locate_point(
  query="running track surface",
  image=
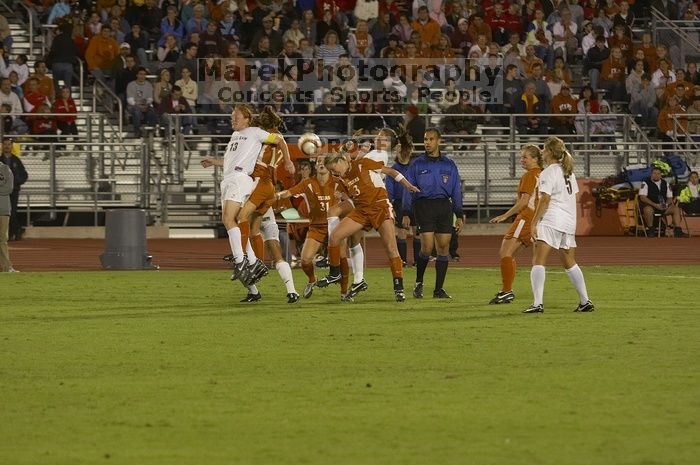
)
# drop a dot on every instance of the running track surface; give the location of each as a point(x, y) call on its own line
point(475, 251)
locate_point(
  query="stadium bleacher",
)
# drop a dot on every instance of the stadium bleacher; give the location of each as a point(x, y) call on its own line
point(105, 165)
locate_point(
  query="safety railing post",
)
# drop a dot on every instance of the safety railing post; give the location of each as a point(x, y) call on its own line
point(52, 181)
point(146, 173)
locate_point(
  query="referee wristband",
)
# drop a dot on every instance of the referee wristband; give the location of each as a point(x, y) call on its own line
point(400, 177)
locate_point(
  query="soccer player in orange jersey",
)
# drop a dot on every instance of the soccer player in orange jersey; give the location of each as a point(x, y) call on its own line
point(518, 236)
point(372, 209)
point(319, 193)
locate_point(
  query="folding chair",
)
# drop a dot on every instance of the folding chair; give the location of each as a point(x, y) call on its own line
point(659, 221)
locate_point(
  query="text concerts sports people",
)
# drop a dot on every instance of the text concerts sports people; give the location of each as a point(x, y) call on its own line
point(372, 210)
point(554, 224)
point(433, 207)
point(518, 236)
point(242, 152)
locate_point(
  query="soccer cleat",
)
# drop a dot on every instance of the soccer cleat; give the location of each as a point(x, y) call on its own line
point(322, 263)
point(292, 298)
point(441, 294)
point(418, 290)
point(252, 297)
point(346, 298)
point(534, 309)
point(256, 272)
point(239, 269)
point(587, 307)
point(678, 232)
point(328, 280)
point(308, 289)
point(399, 295)
point(228, 258)
point(502, 298)
point(356, 288)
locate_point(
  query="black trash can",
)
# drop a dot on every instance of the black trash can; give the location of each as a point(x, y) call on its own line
point(125, 241)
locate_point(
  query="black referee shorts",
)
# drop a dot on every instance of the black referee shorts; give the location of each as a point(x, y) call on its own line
point(433, 215)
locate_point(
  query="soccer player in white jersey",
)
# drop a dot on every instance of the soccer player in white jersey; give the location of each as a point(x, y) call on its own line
point(239, 162)
point(554, 224)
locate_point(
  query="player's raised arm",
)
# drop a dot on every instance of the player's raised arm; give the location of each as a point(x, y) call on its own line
point(398, 177)
point(209, 161)
point(278, 140)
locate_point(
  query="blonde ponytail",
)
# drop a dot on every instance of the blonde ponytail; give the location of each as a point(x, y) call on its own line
point(557, 148)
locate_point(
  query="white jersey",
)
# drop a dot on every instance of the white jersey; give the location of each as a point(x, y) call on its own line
point(243, 151)
point(561, 212)
point(381, 156)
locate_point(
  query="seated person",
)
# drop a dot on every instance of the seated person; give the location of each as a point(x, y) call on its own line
point(688, 199)
point(43, 125)
point(529, 105)
point(656, 197)
point(176, 103)
point(139, 99)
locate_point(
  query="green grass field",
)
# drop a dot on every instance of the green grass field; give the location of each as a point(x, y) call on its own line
point(168, 368)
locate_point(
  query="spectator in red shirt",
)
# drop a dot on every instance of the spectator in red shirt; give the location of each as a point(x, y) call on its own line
point(43, 125)
point(32, 96)
point(64, 104)
point(497, 21)
point(514, 19)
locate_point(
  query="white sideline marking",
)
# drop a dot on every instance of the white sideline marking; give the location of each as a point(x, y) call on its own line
point(598, 273)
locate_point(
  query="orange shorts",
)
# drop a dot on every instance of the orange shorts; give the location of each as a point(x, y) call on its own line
point(263, 196)
point(520, 229)
point(373, 216)
point(318, 232)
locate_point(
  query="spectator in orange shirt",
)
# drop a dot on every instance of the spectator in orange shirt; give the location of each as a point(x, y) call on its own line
point(479, 27)
point(530, 60)
point(666, 124)
point(619, 39)
point(45, 83)
point(101, 52)
point(612, 75)
point(427, 27)
point(563, 104)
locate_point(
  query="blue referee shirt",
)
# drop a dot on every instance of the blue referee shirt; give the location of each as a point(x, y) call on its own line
point(437, 178)
point(395, 190)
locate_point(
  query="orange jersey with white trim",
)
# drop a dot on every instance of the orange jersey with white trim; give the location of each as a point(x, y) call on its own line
point(528, 185)
point(318, 198)
point(364, 188)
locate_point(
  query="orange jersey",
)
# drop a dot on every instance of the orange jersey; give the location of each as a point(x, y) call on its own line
point(528, 185)
point(364, 184)
point(318, 198)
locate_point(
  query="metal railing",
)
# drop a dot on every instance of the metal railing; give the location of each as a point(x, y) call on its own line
point(163, 176)
point(671, 34)
point(99, 91)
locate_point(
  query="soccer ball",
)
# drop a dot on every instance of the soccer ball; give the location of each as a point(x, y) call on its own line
point(309, 143)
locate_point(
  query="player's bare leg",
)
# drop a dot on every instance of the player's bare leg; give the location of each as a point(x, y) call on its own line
point(308, 253)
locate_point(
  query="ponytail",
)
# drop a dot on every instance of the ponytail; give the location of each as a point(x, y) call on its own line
point(268, 119)
point(557, 148)
point(406, 143)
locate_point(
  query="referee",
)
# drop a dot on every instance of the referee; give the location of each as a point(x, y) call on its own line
point(439, 198)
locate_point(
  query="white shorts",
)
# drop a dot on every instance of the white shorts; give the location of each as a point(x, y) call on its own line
point(269, 229)
point(237, 188)
point(555, 239)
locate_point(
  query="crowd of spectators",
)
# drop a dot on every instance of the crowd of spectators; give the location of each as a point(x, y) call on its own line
point(546, 46)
